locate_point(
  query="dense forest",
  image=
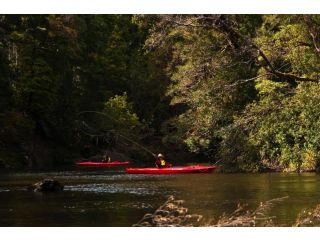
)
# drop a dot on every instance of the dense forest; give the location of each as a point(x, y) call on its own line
point(242, 89)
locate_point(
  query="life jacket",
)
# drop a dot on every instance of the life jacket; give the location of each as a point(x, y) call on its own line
point(162, 162)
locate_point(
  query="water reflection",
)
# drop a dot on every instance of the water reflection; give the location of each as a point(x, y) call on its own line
point(118, 188)
point(106, 198)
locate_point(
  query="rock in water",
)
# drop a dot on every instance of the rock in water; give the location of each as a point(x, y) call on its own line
point(47, 185)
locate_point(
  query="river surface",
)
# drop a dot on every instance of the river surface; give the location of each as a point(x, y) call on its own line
point(112, 198)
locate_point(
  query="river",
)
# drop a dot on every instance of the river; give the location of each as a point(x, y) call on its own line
point(112, 198)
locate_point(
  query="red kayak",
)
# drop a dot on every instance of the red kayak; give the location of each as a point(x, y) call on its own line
point(102, 164)
point(172, 170)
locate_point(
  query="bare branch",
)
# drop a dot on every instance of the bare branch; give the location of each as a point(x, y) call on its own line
point(283, 77)
point(243, 81)
point(313, 33)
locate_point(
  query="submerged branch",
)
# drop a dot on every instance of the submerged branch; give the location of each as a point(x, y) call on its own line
point(173, 214)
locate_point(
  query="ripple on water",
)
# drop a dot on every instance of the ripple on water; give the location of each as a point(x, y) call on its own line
point(115, 177)
point(94, 175)
point(139, 205)
point(114, 188)
point(4, 190)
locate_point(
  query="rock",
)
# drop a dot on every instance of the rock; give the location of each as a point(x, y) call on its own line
point(47, 185)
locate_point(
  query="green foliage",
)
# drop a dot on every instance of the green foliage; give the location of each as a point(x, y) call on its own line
point(204, 65)
point(282, 130)
point(55, 66)
point(243, 88)
point(288, 133)
point(247, 86)
point(121, 115)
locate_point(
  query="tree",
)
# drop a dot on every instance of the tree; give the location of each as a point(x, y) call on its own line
point(240, 80)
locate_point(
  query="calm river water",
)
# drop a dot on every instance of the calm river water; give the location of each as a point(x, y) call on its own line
point(112, 198)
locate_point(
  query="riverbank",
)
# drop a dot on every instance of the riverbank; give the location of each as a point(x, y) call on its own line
point(52, 156)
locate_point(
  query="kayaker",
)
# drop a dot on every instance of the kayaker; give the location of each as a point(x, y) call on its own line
point(106, 158)
point(160, 162)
